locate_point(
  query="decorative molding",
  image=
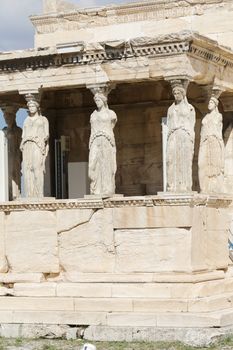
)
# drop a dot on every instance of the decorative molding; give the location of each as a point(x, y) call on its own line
point(215, 57)
point(50, 205)
point(125, 13)
point(142, 201)
point(139, 47)
point(163, 45)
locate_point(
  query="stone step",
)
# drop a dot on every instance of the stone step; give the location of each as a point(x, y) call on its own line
point(123, 290)
point(141, 277)
point(118, 304)
point(121, 319)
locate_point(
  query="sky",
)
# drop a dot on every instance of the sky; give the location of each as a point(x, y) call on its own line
point(17, 32)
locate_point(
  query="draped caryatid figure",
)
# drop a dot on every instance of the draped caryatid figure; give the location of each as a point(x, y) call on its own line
point(211, 152)
point(34, 147)
point(180, 141)
point(13, 134)
point(102, 148)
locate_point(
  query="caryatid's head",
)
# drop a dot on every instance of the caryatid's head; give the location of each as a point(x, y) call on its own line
point(100, 100)
point(179, 93)
point(213, 103)
point(33, 107)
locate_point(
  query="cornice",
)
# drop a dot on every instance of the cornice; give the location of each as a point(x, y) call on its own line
point(185, 42)
point(119, 202)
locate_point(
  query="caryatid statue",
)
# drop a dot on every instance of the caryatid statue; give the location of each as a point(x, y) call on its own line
point(34, 146)
point(180, 141)
point(102, 147)
point(211, 151)
point(13, 134)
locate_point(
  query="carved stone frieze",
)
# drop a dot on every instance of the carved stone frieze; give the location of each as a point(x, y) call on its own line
point(50, 205)
point(115, 14)
point(209, 55)
point(121, 202)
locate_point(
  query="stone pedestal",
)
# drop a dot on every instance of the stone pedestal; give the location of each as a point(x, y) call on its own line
point(122, 266)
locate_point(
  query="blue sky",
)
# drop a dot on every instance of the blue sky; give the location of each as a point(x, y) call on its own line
point(16, 30)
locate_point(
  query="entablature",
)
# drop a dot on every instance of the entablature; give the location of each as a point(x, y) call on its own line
point(139, 59)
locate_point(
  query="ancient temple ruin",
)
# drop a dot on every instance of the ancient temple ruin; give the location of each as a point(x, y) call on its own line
point(124, 222)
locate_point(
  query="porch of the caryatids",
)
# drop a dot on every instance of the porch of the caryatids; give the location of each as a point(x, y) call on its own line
point(181, 119)
point(34, 147)
point(102, 148)
point(13, 134)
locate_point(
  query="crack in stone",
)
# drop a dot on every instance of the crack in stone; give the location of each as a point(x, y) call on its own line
point(79, 224)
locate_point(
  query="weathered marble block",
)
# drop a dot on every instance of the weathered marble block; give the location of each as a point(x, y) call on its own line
point(149, 250)
point(31, 241)
point(88, 246)
point(3, 261)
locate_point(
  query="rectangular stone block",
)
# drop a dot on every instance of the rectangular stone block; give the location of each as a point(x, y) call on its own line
point(37, 304)
point(209, 246)
point(6, 316)
point(152, 217)
point(188, 320)
point(159, 305)
point(86, 290)
point(216, 219)
point(3, 262)
point(133, 319)
point(217, 254)
point(89, 247)
point(35, 289)
point(103, 304)
point(209, 288)
point(141, 290)
point(68, 220)
point(21, 277)
point(206, 24)
point(108, 277)
point(226, 317)
point(31, 242)
point(208, 304)
point(60, 317)
point(165, 249)
point(175, 277)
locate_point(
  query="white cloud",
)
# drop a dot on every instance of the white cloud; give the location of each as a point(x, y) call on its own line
point(16, 30)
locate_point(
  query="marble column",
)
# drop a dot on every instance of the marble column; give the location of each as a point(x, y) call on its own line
point(180, 139)
point(102, 148)
point(34, 147)
point(211, 151)
point(13, 135)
